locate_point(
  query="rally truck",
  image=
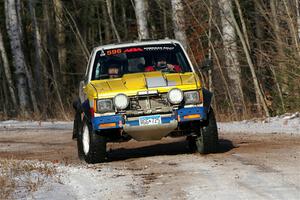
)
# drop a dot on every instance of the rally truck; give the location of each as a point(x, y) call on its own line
point(143, 90)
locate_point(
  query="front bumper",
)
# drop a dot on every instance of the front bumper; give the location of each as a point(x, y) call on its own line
point(118, 121)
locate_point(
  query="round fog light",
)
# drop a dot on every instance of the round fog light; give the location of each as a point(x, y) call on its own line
point(121, 101)
point(175, 96)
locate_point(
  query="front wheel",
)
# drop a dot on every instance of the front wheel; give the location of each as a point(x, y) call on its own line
point(207, 140)
point(91, 145)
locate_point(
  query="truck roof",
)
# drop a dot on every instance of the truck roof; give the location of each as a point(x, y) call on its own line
point(137, 43)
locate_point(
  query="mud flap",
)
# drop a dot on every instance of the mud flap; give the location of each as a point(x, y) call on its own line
point(77, 118)
point(207, 98)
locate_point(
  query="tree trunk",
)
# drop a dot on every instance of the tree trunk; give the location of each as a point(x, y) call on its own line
point(38, 51)
point(141, 9)
point(279, 43)
point(3, 108)
point(166, 31)
point(210, 78)
point(257, 88)
point(105, 20)
point(75, 30)
point(7, 73)
point(46, 36)
point(124, 19)
point(179, 22)
point(213, 51)
point(13, 29)
point(298, 16)
point(291, 25)
point(99, 20)
point(4, 97)
point(30, 80)
point(60, 36)
point(19, 12)
point(113, 25)
point(231, 56)
point(246, 38)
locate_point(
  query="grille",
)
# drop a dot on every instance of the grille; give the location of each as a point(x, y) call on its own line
point(149, 104)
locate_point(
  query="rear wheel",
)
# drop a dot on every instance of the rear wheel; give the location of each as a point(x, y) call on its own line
point(207, 140)
point(91, 145)
point(192, 143)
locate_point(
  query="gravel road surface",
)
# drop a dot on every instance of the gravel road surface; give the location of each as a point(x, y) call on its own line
point(247, 166)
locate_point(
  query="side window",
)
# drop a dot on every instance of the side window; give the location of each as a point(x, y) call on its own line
point(182, 61)
point(97, 72)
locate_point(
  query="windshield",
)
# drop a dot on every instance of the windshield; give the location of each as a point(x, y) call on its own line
point(114, 63)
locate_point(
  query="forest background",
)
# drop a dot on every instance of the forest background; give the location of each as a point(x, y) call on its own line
point(254, 46)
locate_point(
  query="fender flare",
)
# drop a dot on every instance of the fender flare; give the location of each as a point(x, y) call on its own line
point(82, 107)
point(207, 98)
point(77, 105)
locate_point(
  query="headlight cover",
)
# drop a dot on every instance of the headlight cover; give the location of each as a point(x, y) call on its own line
point(175, 96)
point(104, 105)
point(121, 101)
point(191, 97)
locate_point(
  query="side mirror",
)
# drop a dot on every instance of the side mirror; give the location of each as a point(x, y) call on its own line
point(207, 64)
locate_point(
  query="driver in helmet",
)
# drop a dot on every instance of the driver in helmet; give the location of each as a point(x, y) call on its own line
point(162, 65)
point(114, 71)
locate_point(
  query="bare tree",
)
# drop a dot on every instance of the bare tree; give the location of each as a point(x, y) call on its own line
point(141, 9)
point(112, 22)
point(298, 16)
point(71, 21)
point(179, 22)
point(279, 44)
point(7, 72)
point(291, 24)
point(19, 63)
point(38, 50)
point(231, 55)
point(259, 94)
point(124, 19)
point(107, 32)
point(60, 34)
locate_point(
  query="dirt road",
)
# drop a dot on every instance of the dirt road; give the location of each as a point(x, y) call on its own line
point(247, 166)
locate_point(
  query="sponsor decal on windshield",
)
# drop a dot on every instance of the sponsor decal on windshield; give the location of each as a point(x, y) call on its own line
point(119, 51)
point(130, 50)
point(113, 51)
point(158, 48)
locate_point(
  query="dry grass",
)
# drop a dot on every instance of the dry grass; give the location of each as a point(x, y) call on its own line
point(22, 177)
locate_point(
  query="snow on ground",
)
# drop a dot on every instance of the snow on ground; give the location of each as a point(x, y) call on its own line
point(89, 182)
point(288, 123)
point(36, 124)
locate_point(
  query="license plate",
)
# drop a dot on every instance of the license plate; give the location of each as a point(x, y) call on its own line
point(150, 120)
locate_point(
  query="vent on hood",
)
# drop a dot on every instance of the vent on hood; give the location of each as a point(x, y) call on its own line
point(153, 82)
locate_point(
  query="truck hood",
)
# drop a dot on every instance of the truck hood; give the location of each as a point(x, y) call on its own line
point(130, 84)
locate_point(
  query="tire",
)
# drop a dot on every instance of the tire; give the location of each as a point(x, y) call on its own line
point(192, 143)
point(76, 125)
point(207, 140)
point(90, 144)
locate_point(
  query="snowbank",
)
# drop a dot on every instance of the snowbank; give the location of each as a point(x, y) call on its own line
point(287, 123)
point(36, 124)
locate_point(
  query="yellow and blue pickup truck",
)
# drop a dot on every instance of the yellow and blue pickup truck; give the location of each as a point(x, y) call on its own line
point(143, 90)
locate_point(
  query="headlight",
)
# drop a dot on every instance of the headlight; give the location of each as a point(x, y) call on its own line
point(104, 105)
point(121, 101)
point(191, 97)
point(175, 96)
